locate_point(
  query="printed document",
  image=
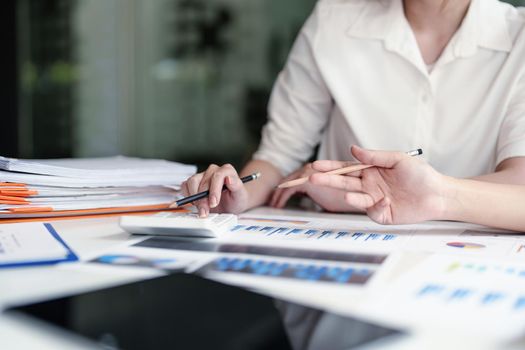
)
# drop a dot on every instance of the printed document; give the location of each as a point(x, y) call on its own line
point(31, 243)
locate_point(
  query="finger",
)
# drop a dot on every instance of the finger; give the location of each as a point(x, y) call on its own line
point(384, 159)
point(233, 184)
point(286, 194)
point(278, 191)
point(276, 196)
point(206, 176)
point(342, 182)
point(281, 196)
point(203, 205)
point(273, 197)
point(217, 181)
point(184, 189)
point(359, 200)
point(192, 184)
point(380, 212)
point(329, 165)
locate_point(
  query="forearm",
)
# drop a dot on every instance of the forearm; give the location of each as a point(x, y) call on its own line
point(502, 177)
point(510, 171)
point(485, 203)
point(260, 190)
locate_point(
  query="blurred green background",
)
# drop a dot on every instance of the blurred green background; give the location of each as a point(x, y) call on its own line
point(184, 80)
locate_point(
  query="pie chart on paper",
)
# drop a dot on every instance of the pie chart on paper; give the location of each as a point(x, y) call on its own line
point(465, 245)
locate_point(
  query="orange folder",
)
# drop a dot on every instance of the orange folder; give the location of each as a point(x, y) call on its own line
point(48, 214)
point(11, 184)
point(18, 192)
point(12, 200)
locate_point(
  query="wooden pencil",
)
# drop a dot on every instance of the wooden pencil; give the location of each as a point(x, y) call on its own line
point(346, 170)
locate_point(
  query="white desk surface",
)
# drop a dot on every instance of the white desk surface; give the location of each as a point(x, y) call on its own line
point(89, 236)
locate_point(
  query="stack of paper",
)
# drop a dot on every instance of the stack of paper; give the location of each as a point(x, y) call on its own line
point(90, 185)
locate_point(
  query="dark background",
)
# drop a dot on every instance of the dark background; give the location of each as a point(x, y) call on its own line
point(8, 87)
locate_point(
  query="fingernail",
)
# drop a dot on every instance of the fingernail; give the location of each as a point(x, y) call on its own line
point(213, 201)
point(202, 213)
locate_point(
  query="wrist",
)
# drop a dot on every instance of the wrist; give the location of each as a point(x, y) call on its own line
point(449, 198)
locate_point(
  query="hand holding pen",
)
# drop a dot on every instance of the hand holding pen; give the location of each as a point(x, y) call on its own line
point(328, 198)
point(396, 189)
point(218, 188)
point(341, 168)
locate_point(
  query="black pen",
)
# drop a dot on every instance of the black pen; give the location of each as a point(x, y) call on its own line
point(205, 194)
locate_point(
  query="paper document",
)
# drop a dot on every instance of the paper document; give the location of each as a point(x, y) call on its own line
point(100, 202)
point(352, 233)
point(32, 187)
point(32, 244)
point(136, 257)
point(453, 293)
point(31, 193)
point(100, 181)
point(97, 167)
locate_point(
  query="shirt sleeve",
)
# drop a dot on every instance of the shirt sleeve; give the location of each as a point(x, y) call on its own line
point(511, 139)
point(299, 106)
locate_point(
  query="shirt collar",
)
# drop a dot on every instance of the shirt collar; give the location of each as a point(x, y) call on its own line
point(493, 26)
point(484, 26)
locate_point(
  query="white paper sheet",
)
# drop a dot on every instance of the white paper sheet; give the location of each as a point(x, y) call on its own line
point(58, 192)
point(360, 235)
point(97, 167)
point(99, 181)
point(111, 202)
point(452, 293)
point(27, 242)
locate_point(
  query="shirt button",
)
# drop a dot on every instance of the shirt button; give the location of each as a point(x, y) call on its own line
point(424, 98)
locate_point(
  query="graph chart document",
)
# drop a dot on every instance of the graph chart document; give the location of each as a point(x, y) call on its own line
point(366, 236)
point(436, 275)
point(317, 233)
point(458, 294)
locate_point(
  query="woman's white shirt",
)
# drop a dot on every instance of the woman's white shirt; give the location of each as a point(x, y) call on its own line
point(356, 76)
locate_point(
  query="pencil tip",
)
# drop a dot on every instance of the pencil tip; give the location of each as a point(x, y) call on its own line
point(173, 205)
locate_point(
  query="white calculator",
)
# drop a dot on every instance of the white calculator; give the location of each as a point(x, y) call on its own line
point(178, 224)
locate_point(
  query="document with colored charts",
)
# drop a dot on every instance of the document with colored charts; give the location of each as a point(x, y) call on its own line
point(360, 234)
point(317, 233)
point(345, 251)
point(454, 293)
point(284, 249)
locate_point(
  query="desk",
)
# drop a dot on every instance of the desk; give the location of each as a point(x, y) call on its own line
point(89, 236)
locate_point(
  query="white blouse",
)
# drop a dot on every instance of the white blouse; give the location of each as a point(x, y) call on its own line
point(356, 76)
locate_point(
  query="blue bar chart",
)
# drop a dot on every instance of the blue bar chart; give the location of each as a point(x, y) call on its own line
point(311, 272)
point(323, 234)
point(476, 297)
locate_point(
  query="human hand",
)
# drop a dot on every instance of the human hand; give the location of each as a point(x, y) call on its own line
point(330, 199)
point(235, 200)
point(400, 189)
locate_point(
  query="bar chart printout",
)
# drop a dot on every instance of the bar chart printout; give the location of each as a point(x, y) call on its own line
point(311, 265)
point(311, 272)
point(461, 294)
point(277, 230)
